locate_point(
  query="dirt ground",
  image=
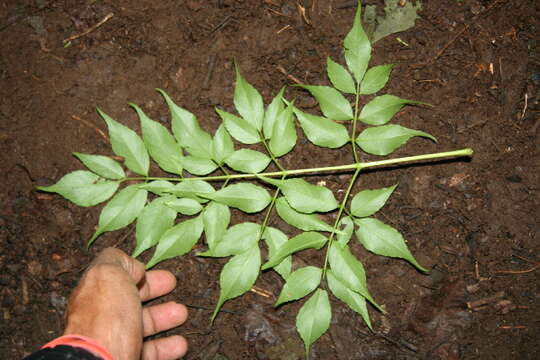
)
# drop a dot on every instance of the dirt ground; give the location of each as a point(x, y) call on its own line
point(473, 223)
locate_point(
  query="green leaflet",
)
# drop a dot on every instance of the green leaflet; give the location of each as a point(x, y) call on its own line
point(216, 218)
point(346, 227)
point(238, 276)
point(244, 196)
point(223, 145)
point(239, 128)
point(237, 240)
point(306, 222)
point(333, 104)
point(126, 143)
point(102, 165)
point(313, 319)
point(381, 109)
point(153, 221)
point(248, 161)
point(384, 240)
point(160, 143)
point(306, 240)
point(349, 271)
point(272, 112)
point(299, 284)
point(368, 202)
point(357, 48)
point(355, 301)
point(185, 206)
point(121, 210)
point(322, 131)
point(178, 240)
point(305, 197)
point(187, 131)
point(375, 79)
point(283, 133)
point(83, 188)
point(199, 166)
point(248, 101)
point(274, 239)
point(193, 189)
point(158, 187)
point(383, 140)
point(340, 77)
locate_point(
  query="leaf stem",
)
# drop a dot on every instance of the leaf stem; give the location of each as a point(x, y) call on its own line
point(338, 217)
point(355, 118)
point(467, 152)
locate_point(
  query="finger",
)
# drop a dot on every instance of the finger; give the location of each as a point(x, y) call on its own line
point(168, 348)
point(156, 283)
point(117, 257)
point(163, 317)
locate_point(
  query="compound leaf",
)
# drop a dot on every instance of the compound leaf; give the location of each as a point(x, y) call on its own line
point(346, 227)
point(305, 197)
point(383, 239)
point(383, 140)
point(187, 131)
point(299, 284)
point(216, 218)
point(368, 202)
point(153, 221)
point(274, 239)
point(313, 318)
point(306, 240)
point(355, 301)
point(177, 241)
point(160, 143)
point(223, 145)
point(284, 133)
point(184, 206)
point(340, 77)
point(248, 101)
point(238, 239)
point(349, 270)
point(357, 48)
point(83, 188)
point(272, 112)
point(306, 222)
point(322, 131)
point(248, 161)
point(199, 166)
point(239, 128)
point(238, 276)
point(193, 189)
point(126, 143)
point(244, 196)
point(375, 79)
point(381, 109)
point(121, 210)
point(102, 165)
point(333, 104)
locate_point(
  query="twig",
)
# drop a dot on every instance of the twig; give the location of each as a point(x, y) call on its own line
point(210, 72)
point(283, 29)
point(474, 305)
point(223, 22)
point(525, 106)
point(92, 28)
point(284, 72)
point(89, 124)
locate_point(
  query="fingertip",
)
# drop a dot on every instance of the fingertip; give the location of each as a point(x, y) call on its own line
point(168, 348)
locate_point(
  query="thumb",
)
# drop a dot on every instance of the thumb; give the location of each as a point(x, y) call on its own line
point(113, 256)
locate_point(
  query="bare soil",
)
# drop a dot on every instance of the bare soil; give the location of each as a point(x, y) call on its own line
point(473, 223)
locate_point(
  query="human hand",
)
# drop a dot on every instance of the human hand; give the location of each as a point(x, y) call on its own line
point(106, 306)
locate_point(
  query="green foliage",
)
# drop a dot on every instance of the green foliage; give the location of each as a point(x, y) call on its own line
point(182, 207)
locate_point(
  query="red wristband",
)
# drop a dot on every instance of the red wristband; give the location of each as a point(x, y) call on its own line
point(83, 342)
